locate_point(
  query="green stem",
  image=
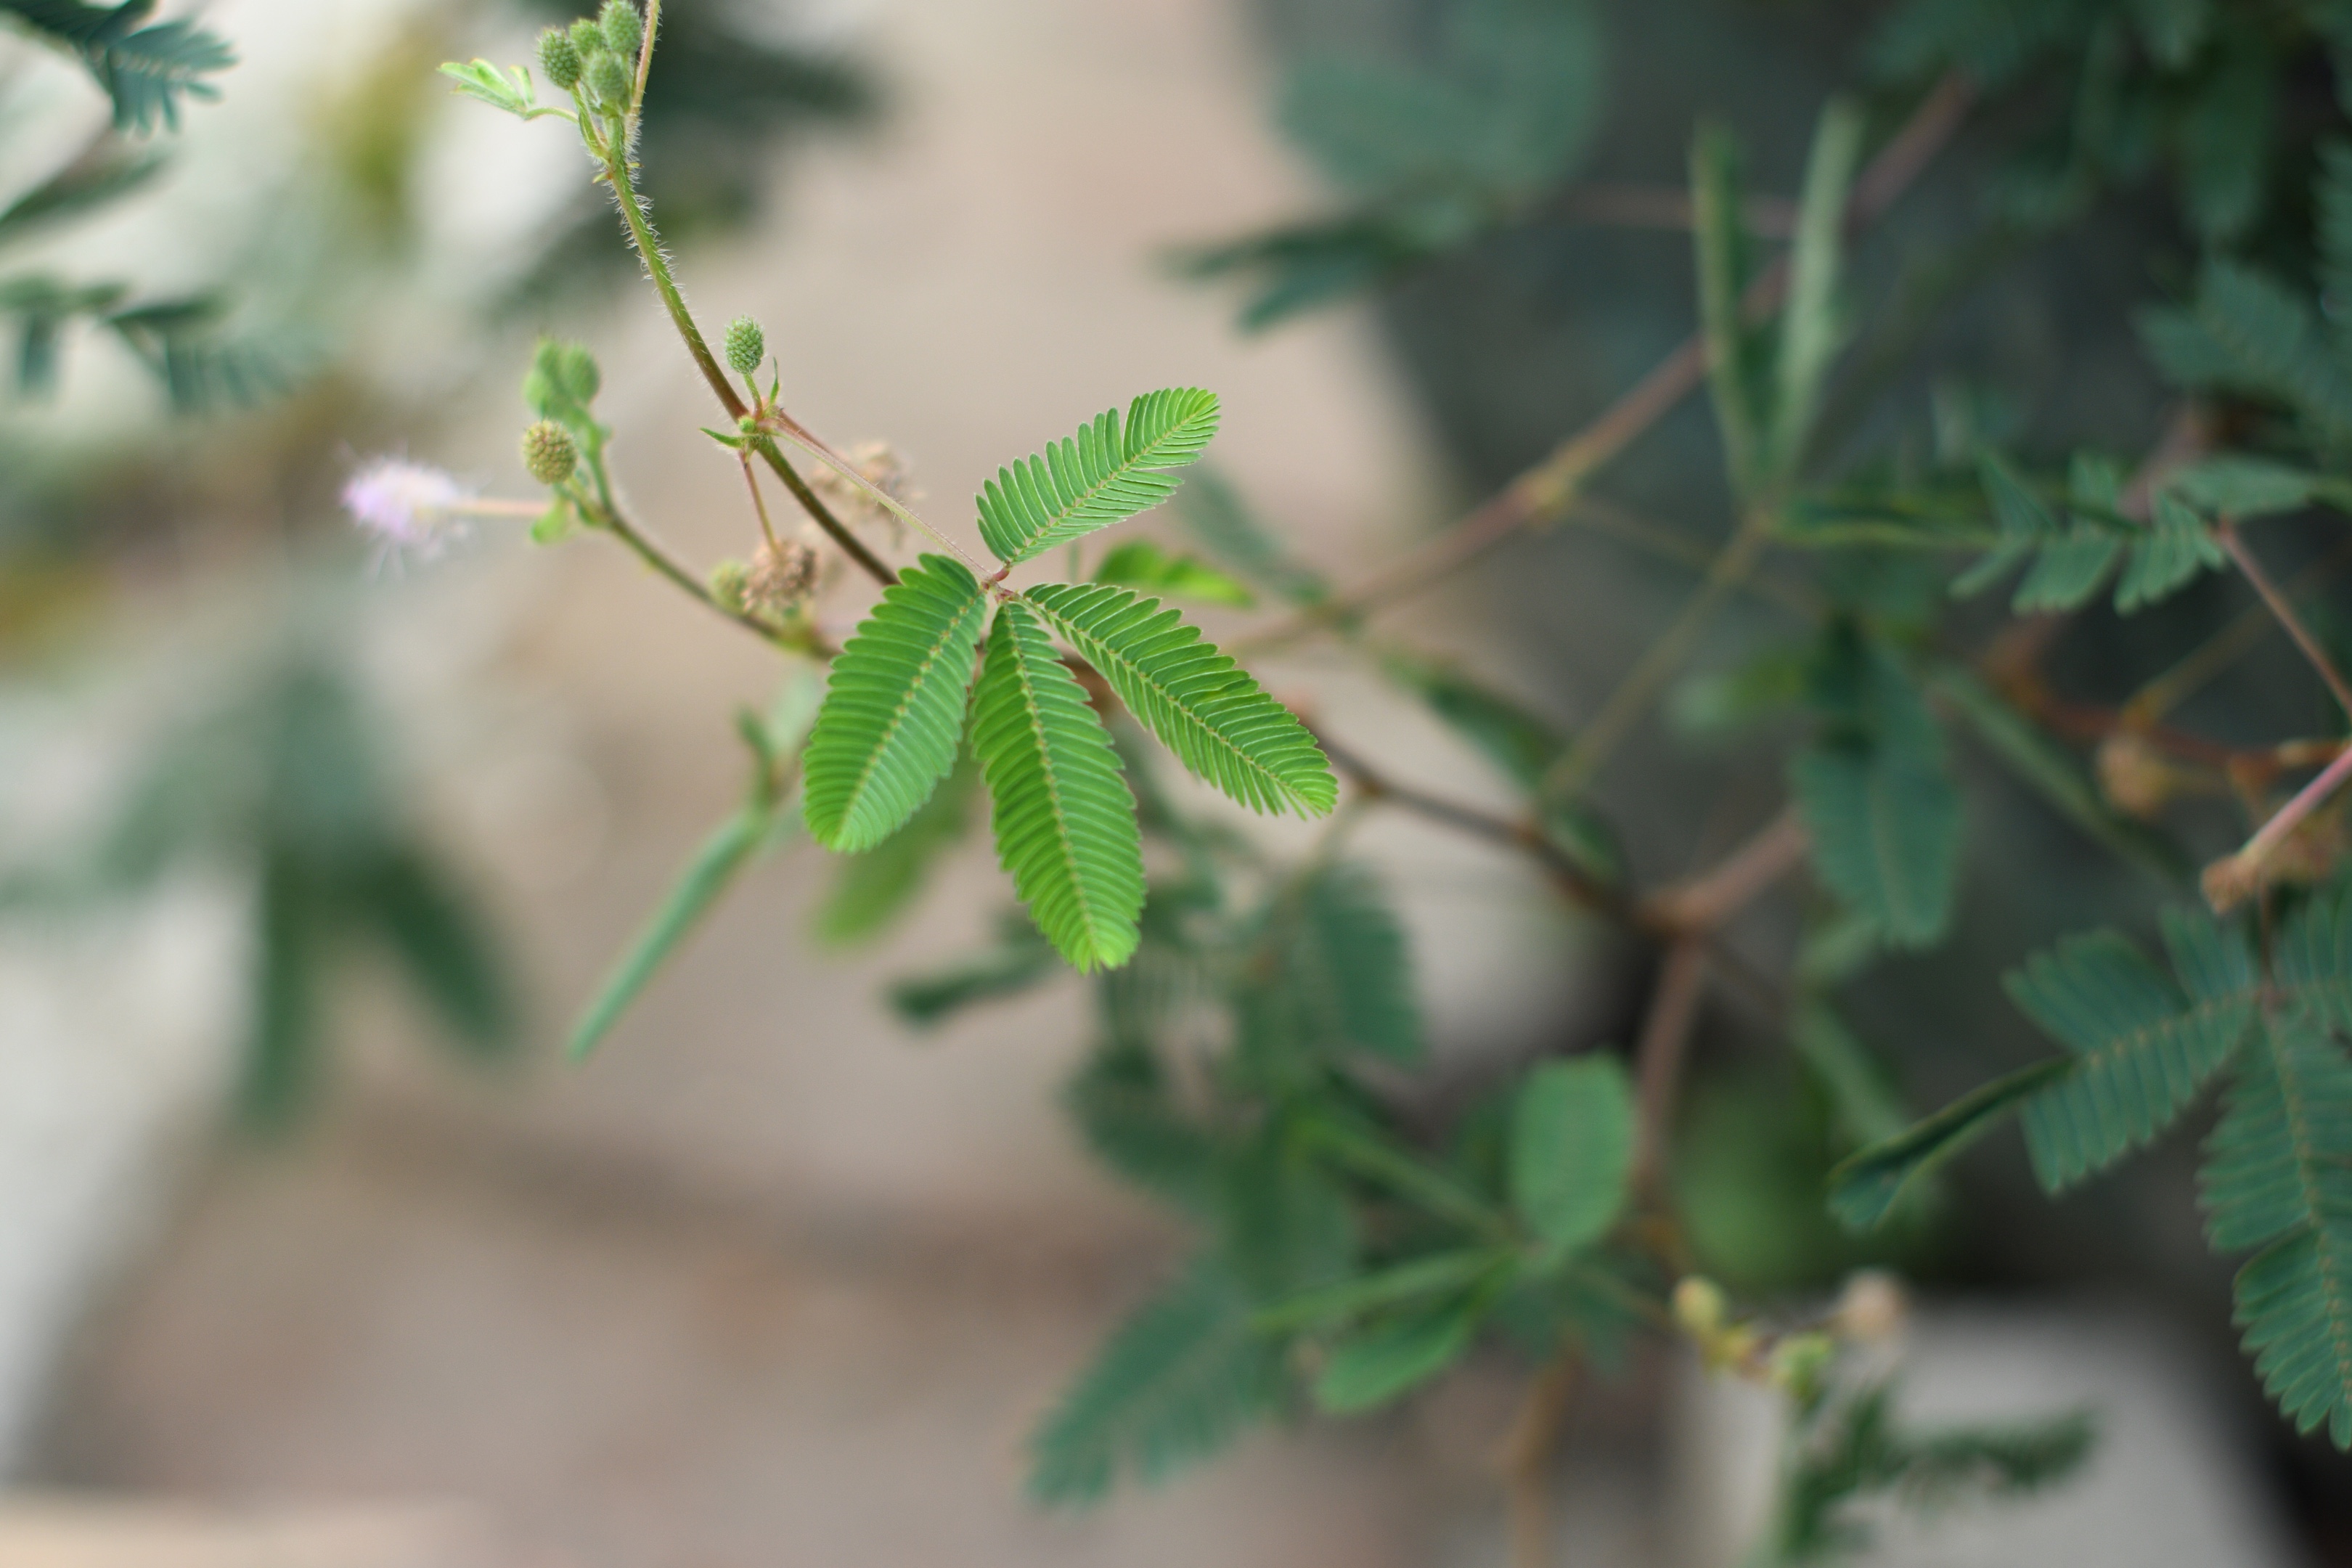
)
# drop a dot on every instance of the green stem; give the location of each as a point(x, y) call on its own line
point(1591, 750)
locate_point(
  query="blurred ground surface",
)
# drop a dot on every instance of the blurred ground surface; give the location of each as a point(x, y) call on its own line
point(772, 1282)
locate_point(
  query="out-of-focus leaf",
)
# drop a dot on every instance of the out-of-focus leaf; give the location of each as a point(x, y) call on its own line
point(1865, 1189)
point(1572, 1151)
point(875, 887)
point(1141, 564)
point(1397, 1354)
point(1212, 511)
point(1021, 959)
point(409, 904)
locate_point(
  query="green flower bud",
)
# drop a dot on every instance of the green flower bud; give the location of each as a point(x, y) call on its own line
point(624, 28)
point(563, 377)
point(746, 345)
point(608, 81)
point(587, 38)
point(549, 452)
point(559, 60)
point(729, 584)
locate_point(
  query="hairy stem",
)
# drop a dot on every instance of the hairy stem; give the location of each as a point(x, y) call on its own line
point(641, 233)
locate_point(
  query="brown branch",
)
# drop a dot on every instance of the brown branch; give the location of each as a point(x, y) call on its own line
point(1658, 1055)
point(1545, 491)
point(1526, 1459)
point(2284, 614)
point(1572, 879)
point(1705, 902)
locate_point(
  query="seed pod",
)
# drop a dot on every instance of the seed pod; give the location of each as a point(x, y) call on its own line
point(608, 81)
point(549, 452)
point(558, 59)
point(746, 345)
point(623, 26)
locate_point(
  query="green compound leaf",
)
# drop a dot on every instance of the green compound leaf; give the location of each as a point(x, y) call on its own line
point(894, 706)
point(1865, 1188)
point(1177, 1381)
point(2143, 1047)
point(2178, 546)
point(2278, 1176)
point(877, 886)
point(1328, 974)
point(1107, 473)
point(1886, 822)
point(1207, 709)
point(1064, 822)
point(1571, 1151)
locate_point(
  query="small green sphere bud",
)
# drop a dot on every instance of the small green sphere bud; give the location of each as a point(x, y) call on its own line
point(587, 38)
point(562, 374)
point(608, 81)
point(746, 345)
point(730, 585)
point(549, 452)
point(624, 28)
point(558, 59)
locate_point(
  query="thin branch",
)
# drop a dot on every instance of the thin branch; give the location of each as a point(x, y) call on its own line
point(2284, 612)
point(1706, 902)
point(1597, 741)
point(1572, 878)
point(1658, 1055)
point(641, 233)
point(2229, 882)
point(1526, 1459)
point(1669, 207)
point(1545, 492)
point(644, 57)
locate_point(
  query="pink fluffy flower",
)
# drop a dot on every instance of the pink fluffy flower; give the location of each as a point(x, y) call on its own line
point(409, 508)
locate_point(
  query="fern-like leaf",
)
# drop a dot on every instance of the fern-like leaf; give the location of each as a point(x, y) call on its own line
point(1221, 724)
point(1329, 973)
point(894, 706)
point(1108, 472)
point(2278, 1176)
point(2143, 1047)
point(1177, 1382)
point(1064, 822)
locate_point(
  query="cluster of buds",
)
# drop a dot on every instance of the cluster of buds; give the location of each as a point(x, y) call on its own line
point(1870, 1313)
point(778, 579)
point(596, 57)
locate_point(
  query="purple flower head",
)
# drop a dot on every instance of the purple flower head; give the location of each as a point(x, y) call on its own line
point(408, 507)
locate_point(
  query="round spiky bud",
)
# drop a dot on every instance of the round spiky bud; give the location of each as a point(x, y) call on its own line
point(728, 581)
point(549, 452)
point(608, 81)
point(1699, 1306)
point(587, 38)
point(558, 59)
point(624, 28)
point(746, 345)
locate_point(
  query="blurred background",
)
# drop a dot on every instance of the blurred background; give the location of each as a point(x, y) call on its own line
point(311, 1247)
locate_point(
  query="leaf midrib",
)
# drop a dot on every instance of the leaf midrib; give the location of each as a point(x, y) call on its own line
point(905, 705)
point(1053, 790)
point(1097, 647)
point(1124, 466)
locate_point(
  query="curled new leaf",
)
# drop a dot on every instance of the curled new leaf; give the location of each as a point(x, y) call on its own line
point(1108, 472)
point(1203, 707)
point(894, 706)
point(1064, 822)
point(1864, 1189)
